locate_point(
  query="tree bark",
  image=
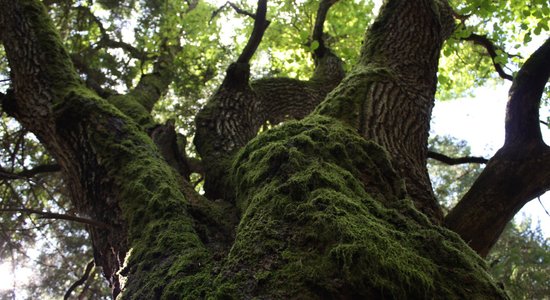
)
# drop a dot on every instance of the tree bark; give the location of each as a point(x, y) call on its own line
point(114, 172)
point(235, 113)
point(389, 95)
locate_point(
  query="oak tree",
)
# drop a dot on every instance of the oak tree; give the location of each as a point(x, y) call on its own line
point(332, 199)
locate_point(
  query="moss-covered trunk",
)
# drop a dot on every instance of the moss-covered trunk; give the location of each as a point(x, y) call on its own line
point(113, 170)
point(324, 212)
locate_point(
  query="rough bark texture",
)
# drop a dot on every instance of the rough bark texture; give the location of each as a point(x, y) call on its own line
point(113, 170)
point(389, 95)
point(237, 110)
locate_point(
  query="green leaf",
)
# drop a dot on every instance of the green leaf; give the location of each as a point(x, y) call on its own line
point(304, 35)
point(314, 45)
point(447, 51)
point(527, 38)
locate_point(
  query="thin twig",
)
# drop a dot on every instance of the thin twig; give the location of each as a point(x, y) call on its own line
point(483, 41)
point(458, 160)
point(50, 215)
point(543, 207)
point(235, 7)
point(25, 174)
point(80, 281)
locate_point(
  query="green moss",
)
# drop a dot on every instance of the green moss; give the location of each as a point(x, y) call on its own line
point(166, 259)
point(347, 100)
point(55, 65)
point(324, 215)
point(133, 109)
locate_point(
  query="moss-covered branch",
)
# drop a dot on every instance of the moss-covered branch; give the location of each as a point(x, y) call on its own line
point(114, 172)
point(233, 116)
point(389, 95)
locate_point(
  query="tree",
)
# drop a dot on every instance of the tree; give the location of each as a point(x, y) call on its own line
point(337, 204)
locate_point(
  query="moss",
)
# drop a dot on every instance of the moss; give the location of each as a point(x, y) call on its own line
point(325, 216)
point(166, 258)
point(55, 65)
point(346, 101)
point(132, 108)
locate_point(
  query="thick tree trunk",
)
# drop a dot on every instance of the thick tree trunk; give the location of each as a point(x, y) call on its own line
point(389, 95)
point(324, 212)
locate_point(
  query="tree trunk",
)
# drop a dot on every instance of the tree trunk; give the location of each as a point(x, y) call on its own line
point(324, 212)
point(389, 95)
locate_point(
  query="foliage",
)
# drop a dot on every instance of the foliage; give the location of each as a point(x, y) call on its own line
point(56, 250)
point(64, 254)
point(521, 260)
point(511, 25)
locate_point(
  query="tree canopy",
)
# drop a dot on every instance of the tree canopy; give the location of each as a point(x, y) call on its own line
point(164, 148)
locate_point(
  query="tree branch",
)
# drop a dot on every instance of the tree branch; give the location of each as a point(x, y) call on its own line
point(82, 280)
point(522, 110)
point(107, 41)
point(236, 8)
point(317, 35)
point(153, 85)
point(25, 174)
point(456, 160)
point(260, 25)
point(56, 216)
point(483, 41)
point(519, 171)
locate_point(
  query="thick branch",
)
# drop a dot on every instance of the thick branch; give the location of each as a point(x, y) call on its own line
point(322, 11)
point(389, 95)
point(456, 160)
point(483, 41)
point(153, 85)
point(522, 111)
point(56, 216)
point(519, 171)
point(260, 25)
point(40, 75)
point(112, 169)
point(234, 114)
